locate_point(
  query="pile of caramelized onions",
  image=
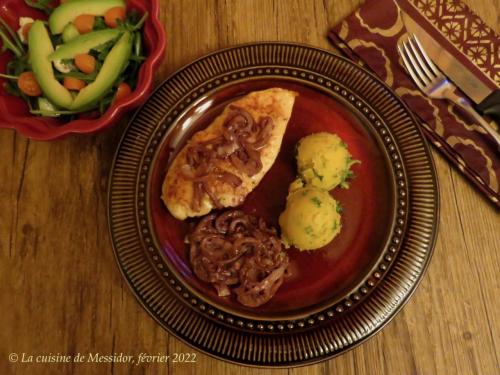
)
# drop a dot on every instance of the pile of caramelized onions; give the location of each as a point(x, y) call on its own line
point(240, 143)
point(239, 253)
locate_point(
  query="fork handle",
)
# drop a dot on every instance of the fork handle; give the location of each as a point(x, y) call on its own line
point(467, 107)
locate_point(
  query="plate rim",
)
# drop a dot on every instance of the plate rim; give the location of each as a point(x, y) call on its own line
point(399, 305)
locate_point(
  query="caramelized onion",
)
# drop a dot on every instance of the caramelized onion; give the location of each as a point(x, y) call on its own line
point(253, 293)
point(264, 134)
point(240, 143)
point(208, 190)
point(239, 121)
point(247, 165)
point(235, 249)
point(230, 179)
point(197, 195)
point(222, 290)
point(213, 246)
point(240, 225)
point(223, 221)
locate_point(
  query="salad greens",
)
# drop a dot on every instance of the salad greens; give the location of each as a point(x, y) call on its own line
point(43, 5)
point(20, 63)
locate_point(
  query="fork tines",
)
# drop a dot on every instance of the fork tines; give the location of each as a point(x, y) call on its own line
point(417, 63)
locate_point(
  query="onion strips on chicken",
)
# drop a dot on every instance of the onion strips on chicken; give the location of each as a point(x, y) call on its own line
point(240, 143)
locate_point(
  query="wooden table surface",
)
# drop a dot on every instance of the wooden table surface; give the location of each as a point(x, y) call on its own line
point(61, 291)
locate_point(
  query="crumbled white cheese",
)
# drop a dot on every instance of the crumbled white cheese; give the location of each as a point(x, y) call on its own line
point(62, 67)
point(23, 21)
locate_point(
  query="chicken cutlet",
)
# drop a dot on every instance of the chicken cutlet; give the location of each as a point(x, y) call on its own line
point(222, 164)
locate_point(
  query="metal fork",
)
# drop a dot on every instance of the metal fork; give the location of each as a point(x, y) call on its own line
point(433, 83)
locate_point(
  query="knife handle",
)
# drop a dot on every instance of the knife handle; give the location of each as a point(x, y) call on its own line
point(491, 106)
point(466, 105)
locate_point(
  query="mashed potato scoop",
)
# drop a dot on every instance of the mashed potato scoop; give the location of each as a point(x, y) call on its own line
point(311, 218)
point(324, 161)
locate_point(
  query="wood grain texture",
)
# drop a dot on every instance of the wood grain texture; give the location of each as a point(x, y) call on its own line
point(61, 292)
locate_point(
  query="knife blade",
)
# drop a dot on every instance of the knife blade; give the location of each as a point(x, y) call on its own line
point(487, 97)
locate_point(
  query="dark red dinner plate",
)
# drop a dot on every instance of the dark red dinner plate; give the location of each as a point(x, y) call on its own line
point(337, 296)
point(317, 277)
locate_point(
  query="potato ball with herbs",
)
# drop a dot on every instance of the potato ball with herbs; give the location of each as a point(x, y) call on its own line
point(311, 218)
point(324, 161)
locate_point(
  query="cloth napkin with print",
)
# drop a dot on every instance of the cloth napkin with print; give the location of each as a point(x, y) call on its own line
point(370, 36)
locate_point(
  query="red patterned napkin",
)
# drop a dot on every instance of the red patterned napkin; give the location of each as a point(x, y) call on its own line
point(370, 35)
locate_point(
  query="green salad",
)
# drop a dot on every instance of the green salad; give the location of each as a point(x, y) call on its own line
point(84, 58)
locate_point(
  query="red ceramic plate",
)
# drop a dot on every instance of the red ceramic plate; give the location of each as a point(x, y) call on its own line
point(337, 296)
point(317, 277)
point(14, 113)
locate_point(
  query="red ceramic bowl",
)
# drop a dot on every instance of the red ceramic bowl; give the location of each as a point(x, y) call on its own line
point(14, 113)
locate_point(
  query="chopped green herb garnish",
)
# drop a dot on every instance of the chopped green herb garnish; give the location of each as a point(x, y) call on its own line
point(316, 201)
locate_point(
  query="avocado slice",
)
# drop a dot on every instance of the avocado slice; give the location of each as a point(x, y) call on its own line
point(111, 69)
point(70, 32)
point(84, 43)
point(46, 108)
point(67, 12)
point(40, 47)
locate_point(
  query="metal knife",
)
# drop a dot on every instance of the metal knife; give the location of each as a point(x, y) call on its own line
point(487, 97)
